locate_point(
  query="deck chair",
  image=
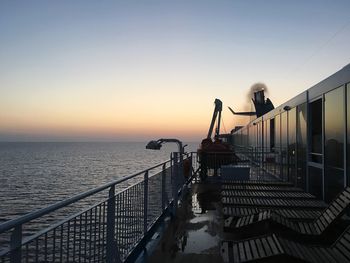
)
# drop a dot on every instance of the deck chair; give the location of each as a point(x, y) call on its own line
point(272, 248)
point(267, 194)
point(275, 203)
point(257, 182)
point(272, 219)
point(249, 187)
point(292, 214)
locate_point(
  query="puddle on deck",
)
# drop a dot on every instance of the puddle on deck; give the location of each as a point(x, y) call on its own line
point(196, 233)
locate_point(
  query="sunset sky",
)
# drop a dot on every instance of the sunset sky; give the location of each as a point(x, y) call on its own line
point(139, 70)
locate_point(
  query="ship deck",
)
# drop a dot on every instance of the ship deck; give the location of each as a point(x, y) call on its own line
point(219, 222)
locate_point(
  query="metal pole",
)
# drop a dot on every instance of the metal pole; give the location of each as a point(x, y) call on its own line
point(15, 244)
point(163, 187)
point(191, 162)
point(145, 202)
point(181, 171)
point(175, 180)
point(111, 243)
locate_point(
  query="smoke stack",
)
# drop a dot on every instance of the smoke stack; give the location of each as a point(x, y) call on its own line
point(257, 95)
point(259, 86)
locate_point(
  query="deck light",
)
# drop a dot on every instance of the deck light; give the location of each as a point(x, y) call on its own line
point(156, 145)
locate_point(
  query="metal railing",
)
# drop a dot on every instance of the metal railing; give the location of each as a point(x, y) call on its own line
point(211, 162)
point(264, 164)
point(277, 162)
point(107, 231)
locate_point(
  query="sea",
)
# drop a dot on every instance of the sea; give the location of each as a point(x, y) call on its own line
point(34, 175)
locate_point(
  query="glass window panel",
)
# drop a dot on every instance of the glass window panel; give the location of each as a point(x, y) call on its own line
point(251, 141)
point(334, 142)
point(260, 133)
point(301, 133)
point(267, 135)
point(284, 144)
point(292, 145)
point(257, 134)
point(316, 131)
point(277, 133)
point(278, 145)
point(266, 142)
point(272, 135)
point(284, 129)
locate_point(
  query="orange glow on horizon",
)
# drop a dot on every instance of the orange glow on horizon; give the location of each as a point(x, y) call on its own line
point(140, 117)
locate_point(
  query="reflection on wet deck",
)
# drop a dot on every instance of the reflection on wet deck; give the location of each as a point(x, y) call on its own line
point(196, 233)
point(260, 216)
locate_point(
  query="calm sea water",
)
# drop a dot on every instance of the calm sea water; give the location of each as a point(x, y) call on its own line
point(34, 175)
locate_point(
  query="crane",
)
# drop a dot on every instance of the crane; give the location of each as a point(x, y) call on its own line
point(217, 110)
point(214, 153)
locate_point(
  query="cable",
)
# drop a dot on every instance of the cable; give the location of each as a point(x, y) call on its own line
point(326, 43)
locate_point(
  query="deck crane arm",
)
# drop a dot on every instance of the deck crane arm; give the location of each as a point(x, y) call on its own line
point(244, 113)
point(217, 110)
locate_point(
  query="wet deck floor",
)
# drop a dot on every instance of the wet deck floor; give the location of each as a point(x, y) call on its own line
point(195, 234)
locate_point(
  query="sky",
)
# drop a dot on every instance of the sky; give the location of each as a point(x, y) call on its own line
point(139, 70)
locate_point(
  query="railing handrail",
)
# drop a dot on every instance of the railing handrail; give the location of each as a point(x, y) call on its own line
point(46, 210)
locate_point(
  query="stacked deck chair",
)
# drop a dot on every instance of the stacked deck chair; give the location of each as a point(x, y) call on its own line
point(271, 248)
point(250, 198)
point(268, 220)
point(257, 182)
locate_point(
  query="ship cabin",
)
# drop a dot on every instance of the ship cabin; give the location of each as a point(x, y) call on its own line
point(306, 140)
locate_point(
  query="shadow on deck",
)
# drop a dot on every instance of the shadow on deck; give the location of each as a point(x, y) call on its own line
point(263, 219)
point(196, 233)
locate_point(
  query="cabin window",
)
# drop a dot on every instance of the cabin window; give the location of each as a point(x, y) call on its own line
point(260, 135)
point(301, 133)
point(252, 136)
point(272, 135)
point(292, 145)
point(266, 135)
point(316, 131)
point(334, 120)
point(266, 142)
point(257, 127)
point(284, 145)
point(278, 145)
point(277, 133)
point(284, 130)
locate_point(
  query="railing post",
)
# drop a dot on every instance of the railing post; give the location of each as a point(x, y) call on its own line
point(15, 244)
point(111, 244)
point(191, 162)
point(181, 176)
point(175, 180)
point(163, 186)
point(145, 203)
